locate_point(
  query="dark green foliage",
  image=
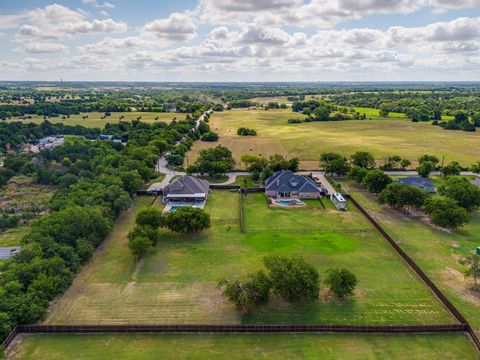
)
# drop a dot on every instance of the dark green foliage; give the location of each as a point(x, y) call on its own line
point(445, 212)
point(363, 159)
point(209, 136)
point(461, 190)
point(203, 127)
point(150, 216)
point(246, 132)
point(292, 278)
point(398, 195)
point(139, 245)
point(425, 169)
point(376, 180)
point(187, 220)
point(341, 282)
point(247, 294)
point(357, 173)
point(337, 167)
point(214, 161)
point(473, 270)
point(451, 169)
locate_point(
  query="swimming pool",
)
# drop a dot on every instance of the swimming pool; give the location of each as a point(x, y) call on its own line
point(292, 202)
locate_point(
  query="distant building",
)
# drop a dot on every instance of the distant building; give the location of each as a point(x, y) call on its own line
point(285, 184)
point(418, 182)
point(7, 252)
point(46, 143)
point(105, 137)
point(476, 181)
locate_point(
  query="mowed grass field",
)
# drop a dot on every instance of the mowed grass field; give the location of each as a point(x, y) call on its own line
point(435, 250)
point(177, 283)
point(246, 347)
point(380, 136)
point(95, 120)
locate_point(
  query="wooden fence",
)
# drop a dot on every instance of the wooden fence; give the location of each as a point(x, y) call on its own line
point(419, 272)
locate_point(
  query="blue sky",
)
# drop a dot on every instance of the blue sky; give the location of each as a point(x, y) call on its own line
point(240, 40)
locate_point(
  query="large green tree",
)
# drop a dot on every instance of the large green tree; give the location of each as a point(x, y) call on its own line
point(292, 278)
point(402, 196)
point(188, 220)
point(460, 189)
point(376, 180)
point(341, 282)
point(445, 212)
point(363, 159)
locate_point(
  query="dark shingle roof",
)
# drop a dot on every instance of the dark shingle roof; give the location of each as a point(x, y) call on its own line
point(286, 181)
point(419, 182)
point(187, 185)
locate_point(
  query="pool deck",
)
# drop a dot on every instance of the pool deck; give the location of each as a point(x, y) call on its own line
point(276, 202)
point(168, 207)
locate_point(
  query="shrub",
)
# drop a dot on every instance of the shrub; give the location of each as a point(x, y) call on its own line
point(246, 132)
point(249, 293)
point(209, 136)
point(150, 216)
point(341, 282)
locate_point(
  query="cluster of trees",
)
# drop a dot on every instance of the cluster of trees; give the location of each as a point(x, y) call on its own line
point(291, 278)
point(14, 134)
point(262, 168)
point(96, 180)
point(243, 131)
point(215, 161)
point(319, 110)
point(460, 122)
point(205, 132)
point(145, 235)
point(238, 104)
point(275, 105)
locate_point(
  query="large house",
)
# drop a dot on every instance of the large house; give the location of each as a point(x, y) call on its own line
point(285, 184)
point(186, 190)
point(418, 182)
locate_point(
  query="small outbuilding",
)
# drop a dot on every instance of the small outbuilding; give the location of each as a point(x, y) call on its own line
point(7, 252)
point(418, 182)
point(476, 181)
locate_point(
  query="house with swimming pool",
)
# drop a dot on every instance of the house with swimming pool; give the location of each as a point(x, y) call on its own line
point(185, 191)
point(285, 184)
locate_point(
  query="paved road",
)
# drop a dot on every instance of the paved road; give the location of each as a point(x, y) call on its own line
point(162, 162)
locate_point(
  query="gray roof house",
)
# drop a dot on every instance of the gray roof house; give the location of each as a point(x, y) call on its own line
point(285, 183)
point(418, 182)
point(186, 190)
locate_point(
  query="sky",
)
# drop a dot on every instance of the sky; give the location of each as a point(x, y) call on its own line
point(240, 40)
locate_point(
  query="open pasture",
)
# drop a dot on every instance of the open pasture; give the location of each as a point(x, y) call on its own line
point(177, 283)
point(435, 250)
point(95, 120)
point(246, 347)
point(380, 136)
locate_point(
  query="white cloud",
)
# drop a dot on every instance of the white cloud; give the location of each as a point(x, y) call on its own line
point(109, 45)
point(177, 27)
point(95, 3)
point(45, 48)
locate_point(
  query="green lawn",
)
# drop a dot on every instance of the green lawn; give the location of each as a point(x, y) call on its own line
point(177, 283)
point(381, 136)
point(244, 347)
point(95, 118)
point(436, 251)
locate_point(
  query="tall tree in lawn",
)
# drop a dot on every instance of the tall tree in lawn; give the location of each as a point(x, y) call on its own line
point(292, 278)
point(400, 196)
point(425, 169)
point(341, 282)
point(445, 212)
point(451, 169)
point(187, 220)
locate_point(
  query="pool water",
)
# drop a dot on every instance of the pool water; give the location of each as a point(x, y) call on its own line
point(288, 202)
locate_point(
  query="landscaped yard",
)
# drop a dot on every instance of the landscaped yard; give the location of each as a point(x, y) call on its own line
point(381, 136)
point(95, 118)
point(266, 346)
point(436, 251)
point(177, 283)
